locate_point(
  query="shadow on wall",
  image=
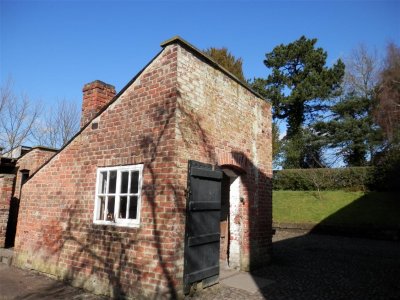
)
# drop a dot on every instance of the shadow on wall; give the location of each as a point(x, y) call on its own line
point(107, 252)
point(80, 241)
point(12, 222)
point(257, 186)
point(256, 215)
point(255, 212)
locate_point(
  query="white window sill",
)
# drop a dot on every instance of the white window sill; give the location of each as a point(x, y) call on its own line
point(128, 224)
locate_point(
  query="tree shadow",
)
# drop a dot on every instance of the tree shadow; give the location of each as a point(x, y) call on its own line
point(353, 253)
point(255, 211)
point(314, 266)
point(86, 251)
point(373, 215)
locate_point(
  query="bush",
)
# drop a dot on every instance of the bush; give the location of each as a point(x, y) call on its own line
point(355, 178)
point(386, 175)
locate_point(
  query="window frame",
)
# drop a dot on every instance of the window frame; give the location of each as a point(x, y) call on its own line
point(118, 221)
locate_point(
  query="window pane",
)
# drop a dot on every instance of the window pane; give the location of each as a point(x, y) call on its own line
point(103, 182)
point(124, 182)
point(134, 181)
point(113, 182)
point(102, 204)
point(133, 207)
point(122, 207)
point(110, 208)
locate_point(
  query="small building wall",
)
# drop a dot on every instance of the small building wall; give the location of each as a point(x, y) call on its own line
point(178, 108)
point(56, 234)
point(222, 123)
point(11, 185)
point(31, 162)
point(6, 191)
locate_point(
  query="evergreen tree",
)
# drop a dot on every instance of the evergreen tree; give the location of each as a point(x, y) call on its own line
point(351, 129)
point(224, 58)
point(298, 87)
point(305, 145)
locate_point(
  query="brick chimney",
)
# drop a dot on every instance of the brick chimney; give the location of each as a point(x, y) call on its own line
point(96, 95)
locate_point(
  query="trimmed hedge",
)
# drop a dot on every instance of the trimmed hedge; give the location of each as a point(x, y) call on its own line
point(355, 179)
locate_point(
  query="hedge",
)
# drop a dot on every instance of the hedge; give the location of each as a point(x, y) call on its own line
point(355, 178)
point(386, 175)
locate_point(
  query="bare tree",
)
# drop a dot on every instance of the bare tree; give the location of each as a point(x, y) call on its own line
point(351, 130)
point(58, 125)
point(18, 116)
point(362, 71)
point(387, 111)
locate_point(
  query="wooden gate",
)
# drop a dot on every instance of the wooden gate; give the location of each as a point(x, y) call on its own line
point(202, 235)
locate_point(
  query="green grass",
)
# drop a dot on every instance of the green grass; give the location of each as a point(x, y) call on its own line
point(356, 209)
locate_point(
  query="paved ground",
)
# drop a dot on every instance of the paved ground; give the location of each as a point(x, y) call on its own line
point(28, 285)
point(324, 267)
point(304, 267)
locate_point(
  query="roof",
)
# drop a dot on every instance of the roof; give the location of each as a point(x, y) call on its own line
point(45, 148)
point(20, 151)
point(178, 40)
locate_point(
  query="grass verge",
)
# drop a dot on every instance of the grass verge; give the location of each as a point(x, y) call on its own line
point(343, 208)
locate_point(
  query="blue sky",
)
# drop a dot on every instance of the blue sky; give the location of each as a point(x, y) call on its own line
point(52, 48)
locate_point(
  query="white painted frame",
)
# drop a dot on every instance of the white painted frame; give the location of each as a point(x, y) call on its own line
point(118, 221)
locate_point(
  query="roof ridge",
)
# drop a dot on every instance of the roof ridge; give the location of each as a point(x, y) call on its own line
point(179, 40)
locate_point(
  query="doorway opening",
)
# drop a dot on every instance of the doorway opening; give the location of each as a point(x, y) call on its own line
point(230, 219)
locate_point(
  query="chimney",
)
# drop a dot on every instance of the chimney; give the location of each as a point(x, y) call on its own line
point(96, 95)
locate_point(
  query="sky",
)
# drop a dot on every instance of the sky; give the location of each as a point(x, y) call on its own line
point(50, 49)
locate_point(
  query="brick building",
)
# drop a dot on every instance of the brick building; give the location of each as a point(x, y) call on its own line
point(163, 180)
point(15, 168)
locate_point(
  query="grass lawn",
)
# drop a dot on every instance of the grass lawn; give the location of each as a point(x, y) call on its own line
point(353, 209)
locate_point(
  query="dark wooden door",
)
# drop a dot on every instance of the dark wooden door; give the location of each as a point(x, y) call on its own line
point(202, 237)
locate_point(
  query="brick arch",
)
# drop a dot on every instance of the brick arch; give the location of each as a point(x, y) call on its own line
point(235, 160)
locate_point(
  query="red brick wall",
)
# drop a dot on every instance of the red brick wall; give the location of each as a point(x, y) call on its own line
point(95, 96)
point(161, 121)
point(222, 123)
point(56, 233)
point(11, 192)
point(6, 190)
point(31, 161)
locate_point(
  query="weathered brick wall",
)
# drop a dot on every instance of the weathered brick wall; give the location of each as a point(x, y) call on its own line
point(95, 96)
point(178, 109)
point(31, 161)
point(6, 190)
point(222, 123)
point(56, 233)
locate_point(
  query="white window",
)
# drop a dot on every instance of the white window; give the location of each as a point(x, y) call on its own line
point(118, 193)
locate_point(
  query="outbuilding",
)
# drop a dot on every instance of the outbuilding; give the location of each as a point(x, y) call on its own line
point(165, 181)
